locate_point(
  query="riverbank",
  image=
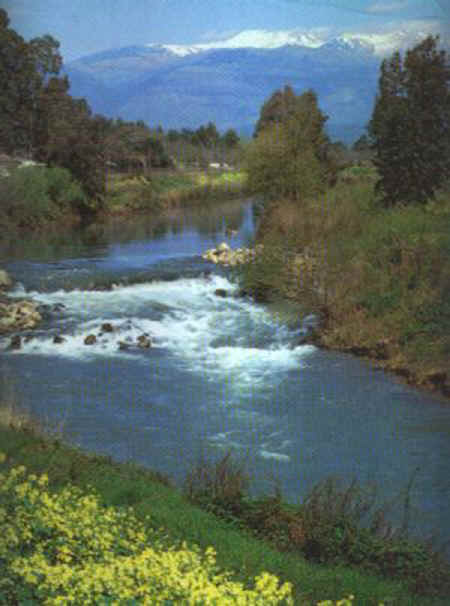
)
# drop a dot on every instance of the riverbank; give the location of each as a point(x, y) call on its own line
point(166, 516)
point(164, 191)
point(380, 278)
point(35, 197)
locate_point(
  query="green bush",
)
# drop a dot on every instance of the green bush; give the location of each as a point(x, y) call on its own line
point(33, 195)
point(336, 524)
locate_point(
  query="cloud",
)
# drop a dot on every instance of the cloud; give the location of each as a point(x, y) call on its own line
point(387, 7)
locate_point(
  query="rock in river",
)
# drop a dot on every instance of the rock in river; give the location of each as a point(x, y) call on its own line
point(144, 342)
point(18, 315)
point(5, 280)
point(16, 342)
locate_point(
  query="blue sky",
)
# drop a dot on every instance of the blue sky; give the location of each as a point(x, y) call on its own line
point(87, 26)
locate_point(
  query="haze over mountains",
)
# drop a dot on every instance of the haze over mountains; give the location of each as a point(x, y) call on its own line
point(226, 81)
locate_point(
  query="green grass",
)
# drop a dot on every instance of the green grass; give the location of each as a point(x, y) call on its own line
point(165, 190)
point(150, 493)
point(379, 274)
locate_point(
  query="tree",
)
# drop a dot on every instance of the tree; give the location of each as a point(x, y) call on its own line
point(66, 135)
point(276, 109)
point(230, 138)
point(16, 73)
point(410, 125)
point(24, 70)
point(289, 156)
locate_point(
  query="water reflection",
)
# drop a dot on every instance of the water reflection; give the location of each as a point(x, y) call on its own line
point(57, 243)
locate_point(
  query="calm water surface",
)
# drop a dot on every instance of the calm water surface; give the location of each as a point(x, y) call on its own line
point(222, 373)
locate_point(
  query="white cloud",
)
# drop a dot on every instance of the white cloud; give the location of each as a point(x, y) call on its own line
point(387, 7)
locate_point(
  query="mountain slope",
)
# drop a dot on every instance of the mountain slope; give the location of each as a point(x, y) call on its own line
point(227, 82)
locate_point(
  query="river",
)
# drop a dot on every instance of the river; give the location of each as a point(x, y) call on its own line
point(222, 372)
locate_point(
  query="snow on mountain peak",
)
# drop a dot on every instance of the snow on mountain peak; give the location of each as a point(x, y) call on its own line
point(405, 35)
point(252, 38)
point(381, 43)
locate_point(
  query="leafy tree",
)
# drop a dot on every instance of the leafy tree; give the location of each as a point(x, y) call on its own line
point(24, 70)
point(230, 138)
point(289, 156)
point(66, 135)
point(410, 124)
point(16, 70)
point(276, 109)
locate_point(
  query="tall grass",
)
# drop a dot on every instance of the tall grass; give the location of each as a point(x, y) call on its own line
point(337, 523)
point(380, 277)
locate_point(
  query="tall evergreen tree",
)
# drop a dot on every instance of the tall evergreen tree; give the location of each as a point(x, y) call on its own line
point(410, 124)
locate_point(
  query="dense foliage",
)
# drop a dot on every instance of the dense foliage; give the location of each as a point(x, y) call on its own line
point(410, 125)
point(289, 156)
point(67, 548)
point(34, 195)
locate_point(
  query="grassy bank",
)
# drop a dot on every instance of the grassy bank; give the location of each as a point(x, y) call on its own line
point(167, 190)
point(162, 514)
point(37, 197)
point(380, 277)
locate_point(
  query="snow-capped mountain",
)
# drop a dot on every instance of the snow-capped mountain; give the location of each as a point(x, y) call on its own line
point(381, 43)
point(226, 81)
point(397, 37)
point(253, 38)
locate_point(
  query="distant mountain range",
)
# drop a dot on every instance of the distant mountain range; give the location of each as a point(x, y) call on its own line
point(227, 81)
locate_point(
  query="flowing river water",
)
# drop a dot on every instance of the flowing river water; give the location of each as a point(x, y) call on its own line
point(222, 373)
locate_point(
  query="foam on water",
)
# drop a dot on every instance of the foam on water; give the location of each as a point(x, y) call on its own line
point(209, 334)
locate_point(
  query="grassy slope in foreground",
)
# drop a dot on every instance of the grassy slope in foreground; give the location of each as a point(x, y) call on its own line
point(381, 277)
point(123, 485)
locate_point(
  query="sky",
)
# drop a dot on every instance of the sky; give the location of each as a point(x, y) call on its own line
point(87, 26)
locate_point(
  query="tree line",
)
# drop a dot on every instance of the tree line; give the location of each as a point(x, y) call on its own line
point(408, 136)
point(40, 120)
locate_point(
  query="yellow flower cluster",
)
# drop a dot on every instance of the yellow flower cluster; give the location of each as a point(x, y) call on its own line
point(344, 602)
point(66, 548)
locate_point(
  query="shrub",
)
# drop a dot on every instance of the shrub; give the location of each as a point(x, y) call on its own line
point(219, 486)
point(33, 195)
